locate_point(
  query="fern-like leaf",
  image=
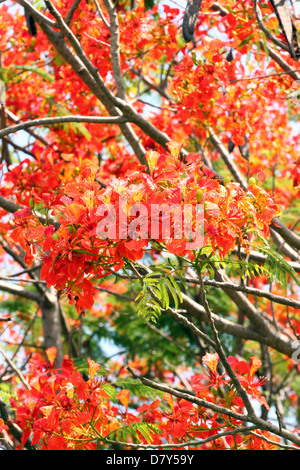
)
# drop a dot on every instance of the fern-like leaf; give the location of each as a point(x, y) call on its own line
point(147, 430)
point(280, 268)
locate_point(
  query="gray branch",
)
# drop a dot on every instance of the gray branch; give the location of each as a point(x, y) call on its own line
point(260, 423)
point(62, 120)
point(18, 290)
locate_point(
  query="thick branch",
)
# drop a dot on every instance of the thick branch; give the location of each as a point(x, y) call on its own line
point(34, 134)
point(284, 247)
point(9, 206)
point(228, 160)
point(290, 237)
point(115, 49)
point(18, 290)
point(274, 339)
point(253, 291)
point(88, 74)
point(272, 38)
point(12, 207)
point(263, 333)
point(36, 13)
point(62, 120)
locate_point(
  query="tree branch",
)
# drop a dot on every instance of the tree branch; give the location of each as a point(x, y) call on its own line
point(115, 49)
point(18, 290)
point(62, 120)
point(253, 291)
point(290, 237)
point(36, 13)
point(81, 65)
point(274, 339)
point(14, 429)
point(260, 423)
point(219, 349)
point(15, 369)
point(12, 207)
point(276, 41)
point(231, 432)
point(175, 314)
point(17, 120)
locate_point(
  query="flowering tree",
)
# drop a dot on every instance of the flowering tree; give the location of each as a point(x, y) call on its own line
point(149, 184)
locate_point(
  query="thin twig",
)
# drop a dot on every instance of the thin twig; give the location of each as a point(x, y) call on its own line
point(36, 13)
point(219, 349)
point(259, 423)
point(16, 369)
point(32, 281)
point(275, 443)
point(276, 41)
point(101, 14)
point(231, 432)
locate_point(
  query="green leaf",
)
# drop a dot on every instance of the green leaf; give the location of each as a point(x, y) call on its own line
point(138, 389)
point(82, 366)
point(176, 287)
point(180, 276)
point(246, 40)
point(279, 266)
point(39, 71)
point(110, 390)
point(80, 128)
point(264, 41)
point(164, 295)
point(149, 4)
point(171, 288)
point(147, 430)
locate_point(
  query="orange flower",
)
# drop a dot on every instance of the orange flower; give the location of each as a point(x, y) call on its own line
point(124, 396)
point(51, 354)
point(93, 368)
point(3, 426)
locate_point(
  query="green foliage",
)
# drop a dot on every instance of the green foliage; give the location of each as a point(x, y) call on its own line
point(6, 391)
point(81, 365)
point(274, 268)
point(145, 429)
point(38, 70)
point(159, 291)
point(148, 307)
point(137, 388)
point(18, 304)
point(278, 266)
point(247, 269)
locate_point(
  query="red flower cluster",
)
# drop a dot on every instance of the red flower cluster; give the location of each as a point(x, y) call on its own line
point(91, 240)
point(62, 410)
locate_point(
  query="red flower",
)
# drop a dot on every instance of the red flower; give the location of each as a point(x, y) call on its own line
point(3, 426)
point(247, 378)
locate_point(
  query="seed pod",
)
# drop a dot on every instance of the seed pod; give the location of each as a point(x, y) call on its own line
point(199, 196)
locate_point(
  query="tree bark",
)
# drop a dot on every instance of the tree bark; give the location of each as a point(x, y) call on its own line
point(52, 323)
